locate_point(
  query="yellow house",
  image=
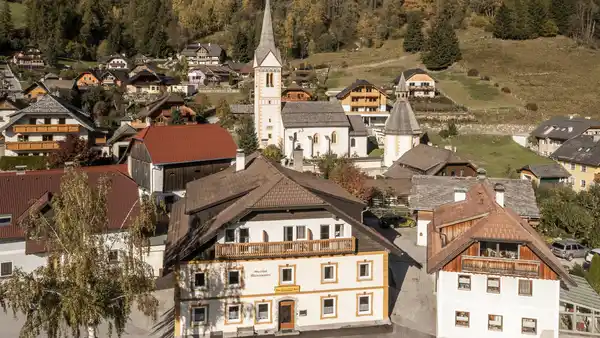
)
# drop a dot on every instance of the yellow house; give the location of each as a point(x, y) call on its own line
point(365, 99)
point(580, 156)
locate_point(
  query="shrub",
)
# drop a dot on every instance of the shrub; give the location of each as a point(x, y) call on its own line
point(344, 64)
point(485, 78)
point(531, 106)
point(496, 85)
point(479, 21)
point(32, 162)
point(444, 133)
point(452, 129)
point(549, 29)
point(473, 72)
point(505, 90)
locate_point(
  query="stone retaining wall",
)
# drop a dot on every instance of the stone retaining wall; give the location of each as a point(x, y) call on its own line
point(486, 129)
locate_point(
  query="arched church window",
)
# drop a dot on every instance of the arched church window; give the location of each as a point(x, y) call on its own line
point(268, 80)
point(334, 137)
point(353, 142)
point(316, 139)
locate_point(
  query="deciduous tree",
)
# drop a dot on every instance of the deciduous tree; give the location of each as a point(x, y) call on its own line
point(223, 112)
point(82, 286)
point(72, 149)
point(176, 118)
point(273, 153)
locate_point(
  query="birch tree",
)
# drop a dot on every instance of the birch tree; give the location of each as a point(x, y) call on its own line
point(85, 283)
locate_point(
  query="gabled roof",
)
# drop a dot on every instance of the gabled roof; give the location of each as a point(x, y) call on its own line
point(213, 49)
point(262, 185)
point(425, 159)
point(355, 84)
point(123, 132)
point(267, 38)
point(186, 143)
point(156, 105)
point(20, 192)
point(357, 125)
point(409, 73)
point(552, 170)
point(491, 222)
point(93, 72)
point(119, 74)
point(147, 76)
point(107, 59)
point(564, 127)
point(402, 120)
point(429, 192)
point(13, 104)
point(52, 105)
point(33, 86)
point(298, 114)
point(582, 149)
point(242, 109)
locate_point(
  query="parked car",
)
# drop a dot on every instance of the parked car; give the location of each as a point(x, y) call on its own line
point(569, 249)
point(590, 255)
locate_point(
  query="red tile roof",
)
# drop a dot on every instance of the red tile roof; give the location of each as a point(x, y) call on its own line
point(187, 143)
point(20, 192)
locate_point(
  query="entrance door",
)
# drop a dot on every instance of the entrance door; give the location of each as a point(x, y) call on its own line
point(286, 315)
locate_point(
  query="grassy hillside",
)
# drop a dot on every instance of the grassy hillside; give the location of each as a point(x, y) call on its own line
point(18, 14)
point(554, 73)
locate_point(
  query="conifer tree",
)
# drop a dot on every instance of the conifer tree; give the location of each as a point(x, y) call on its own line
point(247, 138)
point(223, 112)
point(6, 24)
point(538, 16)
point(562, 11)
point(414, 40)
point(443, 47)
point(504, 23)
point(523, 21)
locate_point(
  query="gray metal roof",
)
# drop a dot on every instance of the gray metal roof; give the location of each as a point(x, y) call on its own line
point(357, 126)
point(314, 114)
point(563, 127)
point(402, 120)
point(242, 109)
point(582, 294)
point(582, 149)
point(551, 170)
point(213, 49)
point(123, 131)
point(267, 38)
point(429, 192)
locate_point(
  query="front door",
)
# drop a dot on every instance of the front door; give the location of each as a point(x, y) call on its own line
point(286, 315)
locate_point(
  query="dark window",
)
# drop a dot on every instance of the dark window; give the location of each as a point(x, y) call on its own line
point(233, 277)
point(452, 173)
point(199, 279)
point(288, 233)
point(325, 231)
point(364, 270)
point(352, 142)
point(47, 137)
point(62, 120)
point(199, 315)
point(328, 272)
point(6, 269)
point(328, 306)
point(47, 121)
point(113, 256)
point(5, 220)
point(525, 287)
point(502, 250)
point(244, 235)
point(287, 275)
point(32, 121)
point(229, 235)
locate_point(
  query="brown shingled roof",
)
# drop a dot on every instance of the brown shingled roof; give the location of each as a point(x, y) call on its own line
point(187, 143)
point(491, 222)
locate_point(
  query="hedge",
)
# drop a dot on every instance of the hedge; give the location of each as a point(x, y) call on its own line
point(32, 162)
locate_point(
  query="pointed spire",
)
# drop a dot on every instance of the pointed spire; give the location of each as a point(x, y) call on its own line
point(267, 38)
point(402, 120)
point(402, 88)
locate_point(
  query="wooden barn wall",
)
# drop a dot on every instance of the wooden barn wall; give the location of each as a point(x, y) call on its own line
point(455, 230)
point(545, 271)
point(455, 265)
point(176, 176)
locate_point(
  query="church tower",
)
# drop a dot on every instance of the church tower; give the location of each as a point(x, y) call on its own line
point(267, 85)
point(402, 131)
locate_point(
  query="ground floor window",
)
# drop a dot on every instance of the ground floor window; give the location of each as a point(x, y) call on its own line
point(461, 318)
point(263, 312)
point(199, 315)
point(364, 304)
point(329, 307)
point(233, 314)
point(494, 323)
point(529, 325)
point(6, 269)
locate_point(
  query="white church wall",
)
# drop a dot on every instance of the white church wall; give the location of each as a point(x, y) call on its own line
point(323, 146)
point(360, 146)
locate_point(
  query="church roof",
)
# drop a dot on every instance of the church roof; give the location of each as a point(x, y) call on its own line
point(402, 120)
point(402, 84)
point(301, 114)
point(267, 38)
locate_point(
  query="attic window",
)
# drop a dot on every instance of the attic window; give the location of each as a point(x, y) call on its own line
point(5, 220)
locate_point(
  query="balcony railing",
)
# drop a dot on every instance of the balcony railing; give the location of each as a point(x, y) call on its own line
point(39, 145)
point(373, 93)
point(501, 266)
point(286, 249)
point(46, 128)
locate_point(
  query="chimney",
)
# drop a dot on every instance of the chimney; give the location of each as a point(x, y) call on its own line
point(298, 158)
point(240, 160)
point(499, 189)
point(481, 174)
point(21, 169)
point(460, 194)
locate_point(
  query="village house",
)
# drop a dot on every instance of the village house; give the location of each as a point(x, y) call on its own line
point(429, 192)
point(552, 133)
point(294, 92)
point(114, 62)
point(23, 190)
point(147, 82)
point(184, 88)
point(9, 106)
point(204, 54)
point(428, 160)
point(545, 174)
point(417, 82)
point(580, 156)
point(119, 140)
point(163, 159)
point(367, 100)
point(114, 78)
point(494, 274)
point(54, 86)
point(262, 249)
point(211, 75)
point(36, 129)
point(88, 78)
point(29, 58)
point(160, 111)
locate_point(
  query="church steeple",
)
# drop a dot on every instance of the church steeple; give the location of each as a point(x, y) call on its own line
point(267, 39)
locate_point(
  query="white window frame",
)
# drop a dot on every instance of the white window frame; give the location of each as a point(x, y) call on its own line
point(205, 280)
point(305, 234)
point(239, 283)
point(5, 220)
point(369, 270)
point(342, 229)
point(234, 236)
point(329, 315)
point(199, 323)
point(370, 305)
point(290, 282)
point(334, 277)
point(238, 237)
point(233, 321)
point(263, 320)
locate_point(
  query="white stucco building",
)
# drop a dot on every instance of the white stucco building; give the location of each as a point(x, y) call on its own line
point(495, 276)
point(402, 132)
point(289, 254)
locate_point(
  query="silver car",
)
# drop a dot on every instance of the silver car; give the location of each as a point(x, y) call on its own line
point(569, 249)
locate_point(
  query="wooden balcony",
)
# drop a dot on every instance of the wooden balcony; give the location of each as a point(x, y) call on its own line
point(363, 93)
point(39, 145)
point(500, 266)
point(46, 128)
point(420, 88)
point(365, 103)
point(286, 249)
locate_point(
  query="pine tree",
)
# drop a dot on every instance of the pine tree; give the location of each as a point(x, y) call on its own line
point(562, 11)
point(247, 138)
point(504, 23)
point(523, 21)
point(443, 47)
point(414, 40)
point(6, 24)
point(538, 16)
